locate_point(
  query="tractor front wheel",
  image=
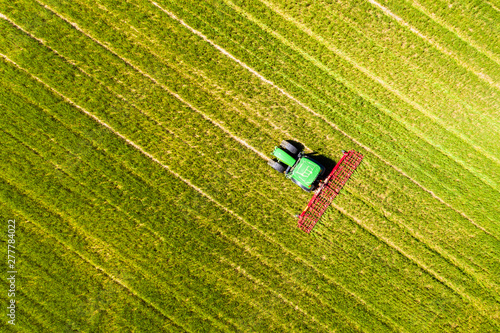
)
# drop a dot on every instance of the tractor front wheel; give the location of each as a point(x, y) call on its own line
point(278, 166)
point(290, 147)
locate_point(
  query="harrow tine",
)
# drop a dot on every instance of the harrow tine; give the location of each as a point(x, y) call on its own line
point(329, 189)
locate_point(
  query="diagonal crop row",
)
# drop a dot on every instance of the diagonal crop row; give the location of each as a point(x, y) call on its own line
point(440, 34)
point(93, 196)
point(435, 36)
point(448, 168)
point(142, 283)
point(195, 128)
point(109, 196)
point(444, 169)
point(474, 23)
point(430, 68)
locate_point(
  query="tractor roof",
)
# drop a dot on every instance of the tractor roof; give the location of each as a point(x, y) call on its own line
point(306, 171)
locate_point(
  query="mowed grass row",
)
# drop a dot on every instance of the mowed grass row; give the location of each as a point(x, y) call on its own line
point(322, 91)
point(27, 320)
point(403, 200)
point(400, 262)
point(393, 202)
point(47, 302)
point(441, 34)
point(169, 229)
point(474, 22)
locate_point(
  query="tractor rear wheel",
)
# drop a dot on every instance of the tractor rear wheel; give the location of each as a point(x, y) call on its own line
point(290, 147)
point(278, 166)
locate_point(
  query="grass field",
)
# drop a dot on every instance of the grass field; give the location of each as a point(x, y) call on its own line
point(135, 136)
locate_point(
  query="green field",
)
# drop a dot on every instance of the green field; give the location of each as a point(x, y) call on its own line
point(135, 136)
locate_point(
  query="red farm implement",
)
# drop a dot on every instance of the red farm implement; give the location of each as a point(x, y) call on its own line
point(329, 189)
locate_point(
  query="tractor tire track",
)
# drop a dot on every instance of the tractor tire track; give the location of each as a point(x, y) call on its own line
point(492, 6)
point(396, 249)
point(445, 87)
point(493, 57)
point(240, 218)
point(220, 231)
point(379, 80)
point(262, 155)
point(457, 96)
point(436, 45)
point(450, 259)
point(329, 123)
point(241, 246)
point(368, 307)
point(177, 96)
point(127, 141)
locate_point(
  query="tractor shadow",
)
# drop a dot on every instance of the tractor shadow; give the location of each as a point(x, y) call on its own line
point(328, 163)
point(297, 144)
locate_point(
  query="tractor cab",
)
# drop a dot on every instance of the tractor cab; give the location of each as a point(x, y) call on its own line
point(300, 169)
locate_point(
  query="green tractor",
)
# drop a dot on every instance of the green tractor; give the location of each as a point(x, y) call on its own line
point(300, 169)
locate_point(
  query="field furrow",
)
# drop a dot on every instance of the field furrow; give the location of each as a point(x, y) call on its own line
point(136, 136)
point(476, 32)
point(414, 165)
point(121, 208)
